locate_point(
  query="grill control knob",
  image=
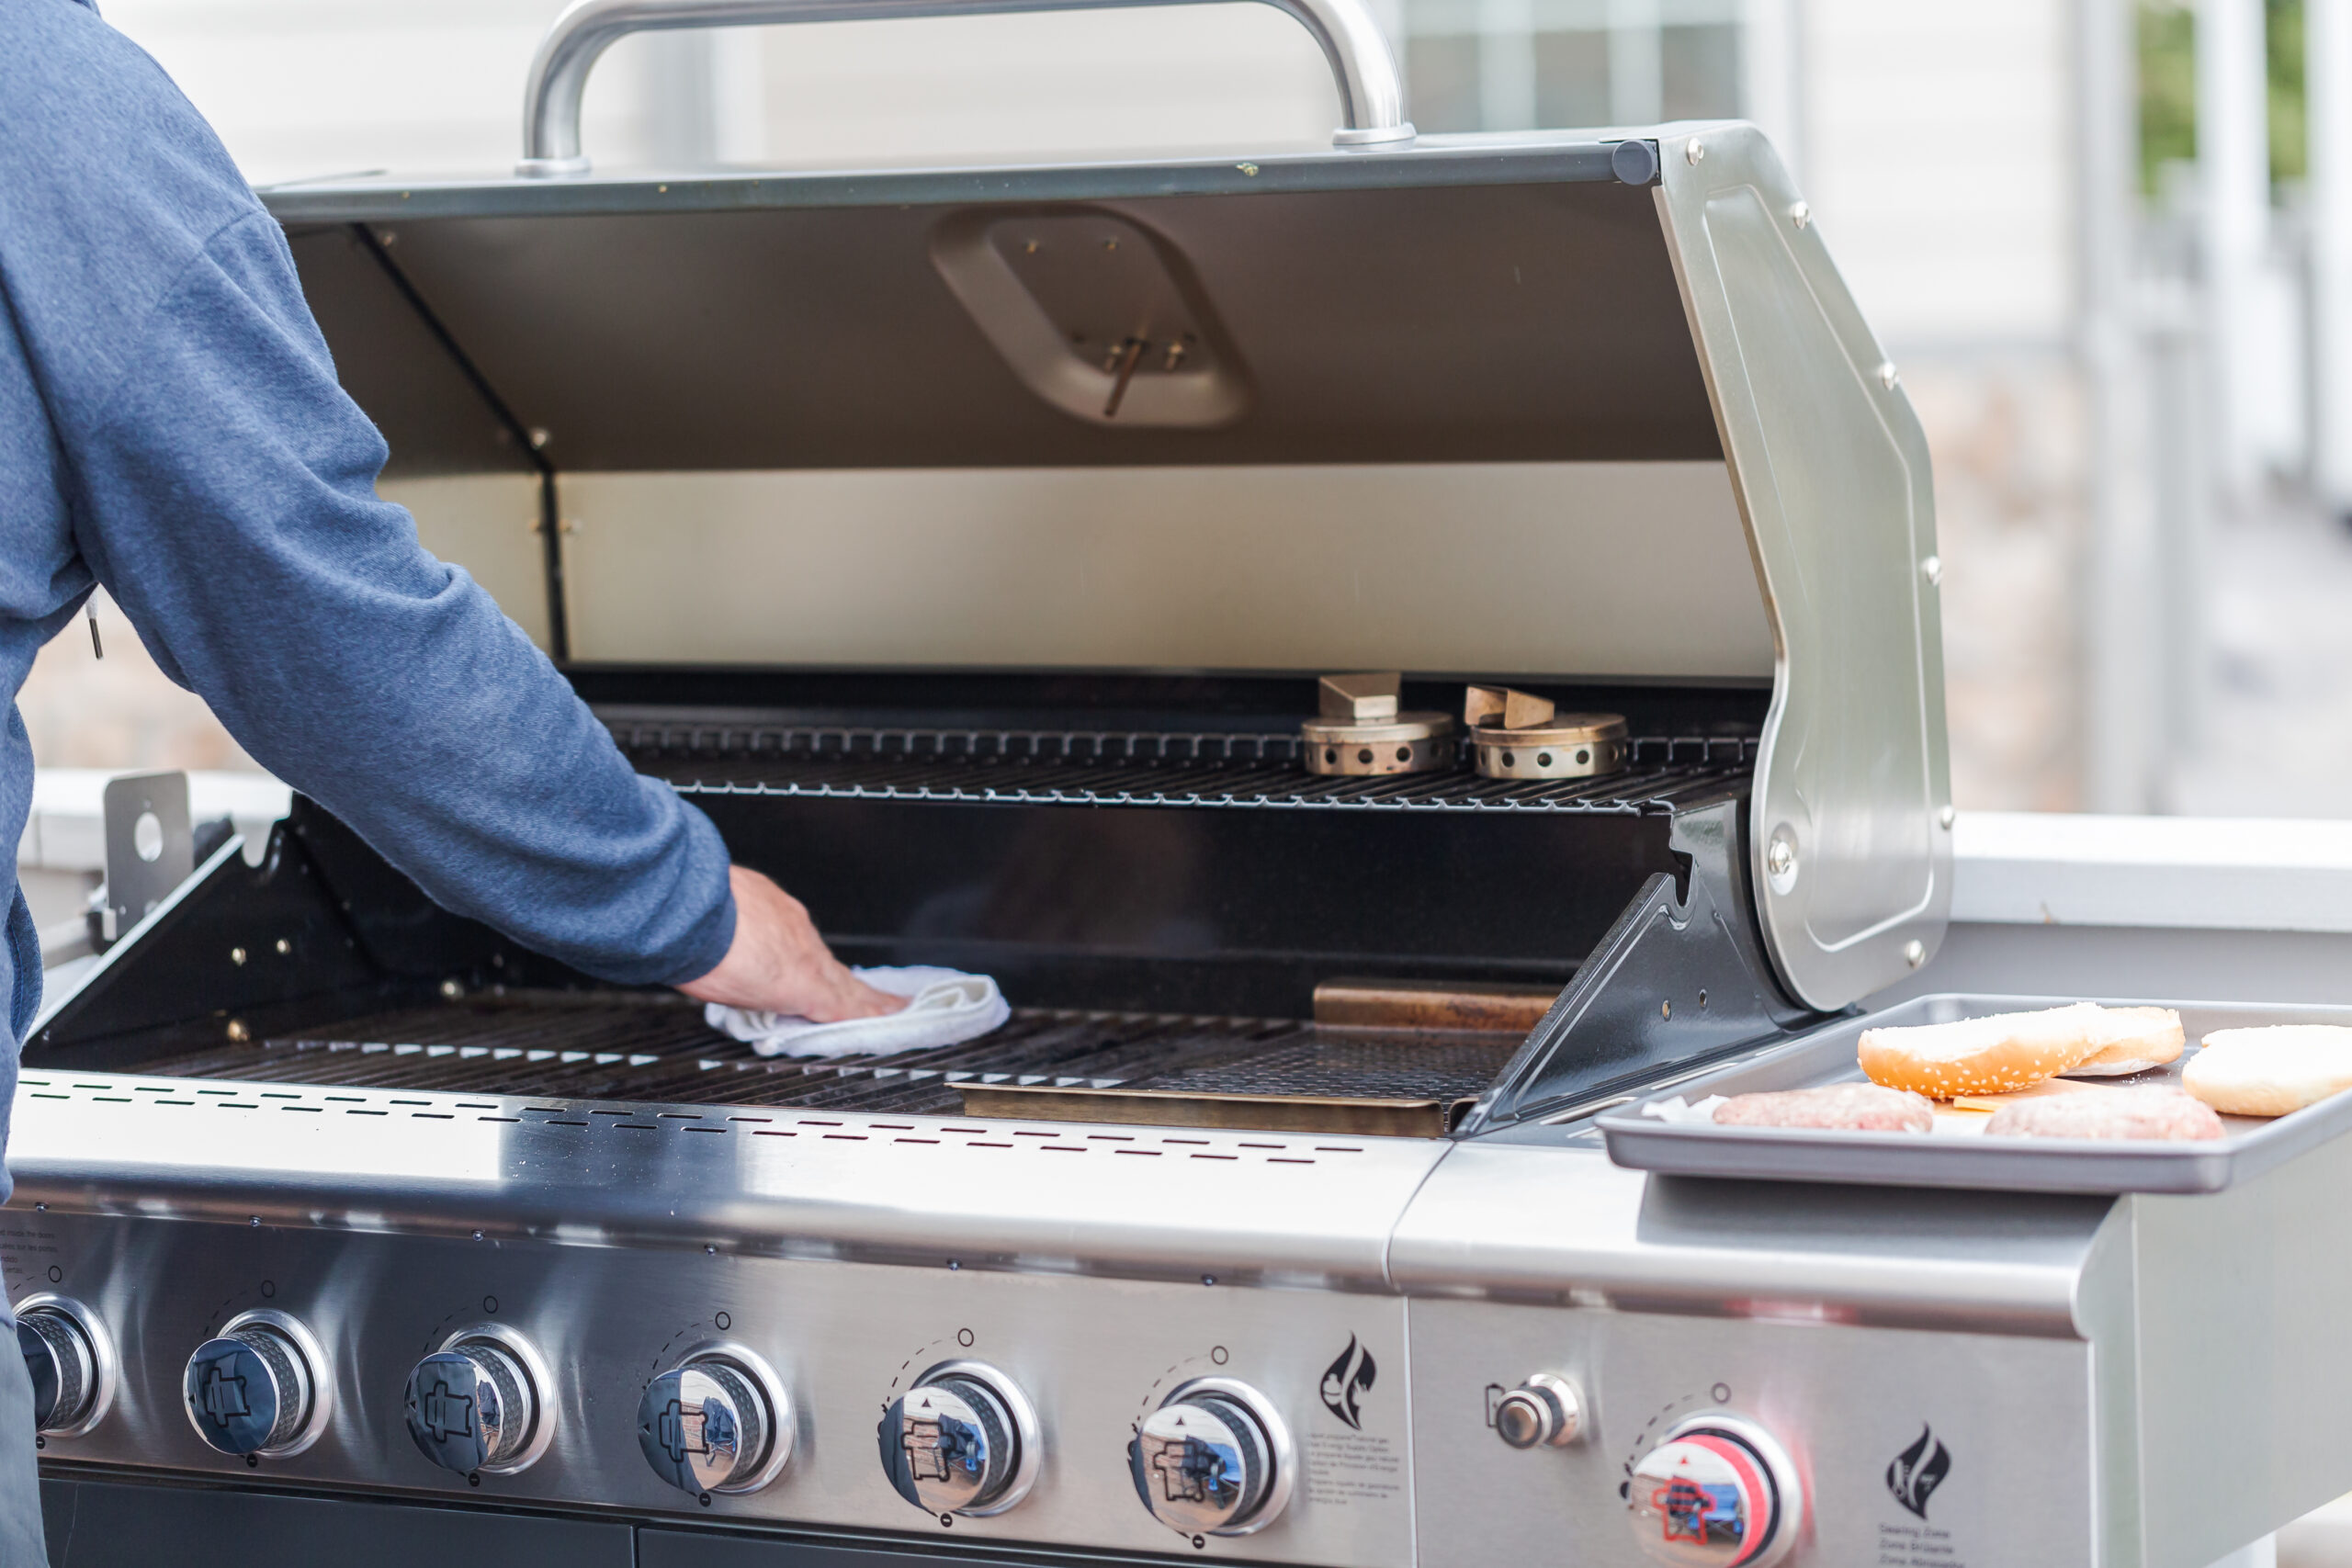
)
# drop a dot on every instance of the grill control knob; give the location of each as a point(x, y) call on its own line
point(1543, 1412)
point(711, 1426)
point(962, 1440)
point(473, 1407)
point(61, 1359)
point(1718, 1492)
point(252, 1390)
point(1215, 1458)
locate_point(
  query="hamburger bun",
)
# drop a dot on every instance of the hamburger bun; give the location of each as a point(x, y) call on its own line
point(2140, 1040)
point(2012, 1050)
point(2269, 1072)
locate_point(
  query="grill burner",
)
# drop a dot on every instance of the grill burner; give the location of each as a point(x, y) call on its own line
point(1293, 1076)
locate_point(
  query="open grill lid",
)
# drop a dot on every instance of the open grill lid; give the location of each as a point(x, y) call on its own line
point(1536, 406)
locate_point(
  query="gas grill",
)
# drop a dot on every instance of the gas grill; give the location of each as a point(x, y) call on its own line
point(978, 548)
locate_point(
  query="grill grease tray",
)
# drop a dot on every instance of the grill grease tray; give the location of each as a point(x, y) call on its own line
point(1274, 1074)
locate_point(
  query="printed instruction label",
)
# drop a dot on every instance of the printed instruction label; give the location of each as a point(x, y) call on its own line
point(1347, 1468)
point(1916, 1546)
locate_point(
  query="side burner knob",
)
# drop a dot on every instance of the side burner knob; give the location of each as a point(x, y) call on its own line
point(709, 1425)
point(962, 1440)
point(472, 1407)
point(1543, 1412)
point(1718, 1492)
point(251, 1391)
point(61, 1359)
point(1215, 1458)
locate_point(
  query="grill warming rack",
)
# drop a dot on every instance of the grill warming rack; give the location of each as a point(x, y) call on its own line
point(1121, 767)
point(1277, 1074)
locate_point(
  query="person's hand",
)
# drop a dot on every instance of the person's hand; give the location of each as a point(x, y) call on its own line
point(777, 963)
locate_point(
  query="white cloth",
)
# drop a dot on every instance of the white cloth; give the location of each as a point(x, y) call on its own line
point(945, 1007)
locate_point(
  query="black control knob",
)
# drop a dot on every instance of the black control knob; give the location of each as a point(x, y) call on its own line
point(472, 1407)
point(251, 1391)
point(61, 1359)
point(963, 1441)
point(708, 1426)
point(1213, 1460)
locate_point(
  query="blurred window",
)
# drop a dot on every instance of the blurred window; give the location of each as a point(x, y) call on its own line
point(1531, 64)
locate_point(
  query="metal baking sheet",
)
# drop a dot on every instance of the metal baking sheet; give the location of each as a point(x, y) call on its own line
point(2250, 1146)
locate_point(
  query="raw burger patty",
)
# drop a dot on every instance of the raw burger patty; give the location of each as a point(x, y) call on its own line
point(2153, 1110)
point(1849, 1106)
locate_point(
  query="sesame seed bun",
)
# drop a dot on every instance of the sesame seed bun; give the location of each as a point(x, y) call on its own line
point(2017, 1050)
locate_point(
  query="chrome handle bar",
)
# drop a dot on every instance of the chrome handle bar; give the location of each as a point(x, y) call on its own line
point(1372, 94)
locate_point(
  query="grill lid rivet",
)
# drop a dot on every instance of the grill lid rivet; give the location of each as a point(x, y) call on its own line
point(1947, 817)
point(284, 947)
point(237, 956)
point(1932, 568)
point(1694, 150)
point(238, 1032)
point(1799, 214)
point(1915, 952)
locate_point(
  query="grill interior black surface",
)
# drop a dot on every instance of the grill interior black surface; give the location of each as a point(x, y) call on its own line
point(657, 1050)
point(1135, 768)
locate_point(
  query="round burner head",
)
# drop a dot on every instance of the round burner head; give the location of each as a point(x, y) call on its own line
point(1409, 743)
point(1572, 746)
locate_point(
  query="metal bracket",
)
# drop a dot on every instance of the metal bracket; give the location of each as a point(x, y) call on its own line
point(150, 846)
point(1678, 979)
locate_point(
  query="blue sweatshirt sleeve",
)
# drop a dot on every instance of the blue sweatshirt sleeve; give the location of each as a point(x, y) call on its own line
point(229, 503)
point(186, 443)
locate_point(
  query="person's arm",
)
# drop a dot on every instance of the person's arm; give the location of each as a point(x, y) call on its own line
point(227, 500)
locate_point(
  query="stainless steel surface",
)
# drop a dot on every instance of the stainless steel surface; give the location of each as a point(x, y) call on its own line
point(1220, 566)
point(1831, 468)
point(1546, 1411)
point(2250, 1145)
point(1717, 1491)
point(1215, 1458)
point(1496, 1219)
point(1372, 94)
point(1109, 1200)
point(963, 1441)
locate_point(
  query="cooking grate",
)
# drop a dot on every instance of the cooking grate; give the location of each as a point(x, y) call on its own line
point(655, 1050)
point(1135, 768)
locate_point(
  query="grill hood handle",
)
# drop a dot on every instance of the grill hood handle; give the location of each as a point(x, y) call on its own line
point(1372, 94)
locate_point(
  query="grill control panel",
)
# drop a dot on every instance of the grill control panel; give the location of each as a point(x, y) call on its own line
point(1180, 1419)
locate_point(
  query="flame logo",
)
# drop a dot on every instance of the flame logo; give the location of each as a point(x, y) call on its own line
point(1346, 1381)
point(1917, 1470)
